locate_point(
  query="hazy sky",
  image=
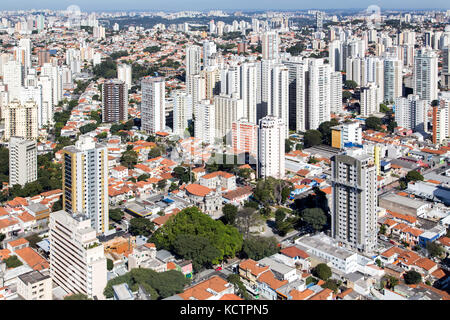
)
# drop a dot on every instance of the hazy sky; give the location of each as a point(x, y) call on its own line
point(88, 5)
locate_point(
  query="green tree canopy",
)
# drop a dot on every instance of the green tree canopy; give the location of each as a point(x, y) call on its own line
point(315, 217)
point(350, 84)
point(412, 277)
point(109, 264)
point(322, 271)
point(229, 213)
point(141, 226)
point(77, 296)
point(257, 247)
point(115, 214)
point(196, 248)
point(192, 221)
point(325, 130)
point(414, 175)
point(373, 123)
point(312, 138)
point(435, 249)
point(12, 262)
point(164, 284)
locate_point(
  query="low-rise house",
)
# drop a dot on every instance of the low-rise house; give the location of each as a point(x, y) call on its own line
point(208, 200)
point(35, 285)
point(294, 256)
point(214, 288)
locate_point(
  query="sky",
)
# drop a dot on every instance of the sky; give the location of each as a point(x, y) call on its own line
point(111, 5)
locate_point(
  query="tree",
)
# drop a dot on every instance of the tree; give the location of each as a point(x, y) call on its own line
point(109, 264)
point(392, 281)
point(373, 123)
point(192, 221)
point(141, 226)
point(384, 108)
point(383, 229)
point(257, 248)
point(229, 213)
point(325, 130)
point(350, 84)
point(434, 249)
point(196, 248)
point(162, 184)
point(322, 271)
point(143, 177)
point(115, 214)
point(413, 175)
point(129, 159)
point(77, 296)
point(159, 284)
point(2, 237)
point(33, 239)
point(235, 280)
point(315, 217)
point(287, 145)
point(346, 94)
point(412, 277)
point(12, 262)
point(312, 138)
point(245, 219)
point(332, 285)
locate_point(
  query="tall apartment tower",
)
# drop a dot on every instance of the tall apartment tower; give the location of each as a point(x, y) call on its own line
point(335, 55)
point(441, 121)
point(319, 20)
point(193, 63)
point(370, 99)
point(85, 182)
point(319, 100)
point(182, 111)
point(354, 198)
point(124, 74)
point(392, 79)
point(153, 104)
point(245, 137)
point(77, 258)
point(249, 87)
point(209, 48)
point(115, 101)
point(205, 125)
point(271, 136)
point(426, 74)
point(229, 108)
point(22, 161)
point(21, 120)
point(280, 95)
point(336, 92)
point(411, 113)
point(13, 77)
point(269, 45)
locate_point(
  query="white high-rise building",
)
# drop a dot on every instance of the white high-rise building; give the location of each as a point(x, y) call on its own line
point(370, 99)
point(271, 140)
point(392, 78)
point(45, 113)
point(77, 258)
point(22, 161)
point(25, 52)
point(335, 55)
point(229, 108)
point(319, 106)
point(153, 104)
point(193, 63)
point(249, 82)
point(269, 45)
point(411, 113)
point(13, 75)
point(21, 120)
point(280, 95)
point(354, 201)
point(196, 88)
point(33, 94)
point(426, 74)
point(209, 48)
point(124, 74)
point(85, 182)
point(182, 111)
point(336, 92)
point(205, 117)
